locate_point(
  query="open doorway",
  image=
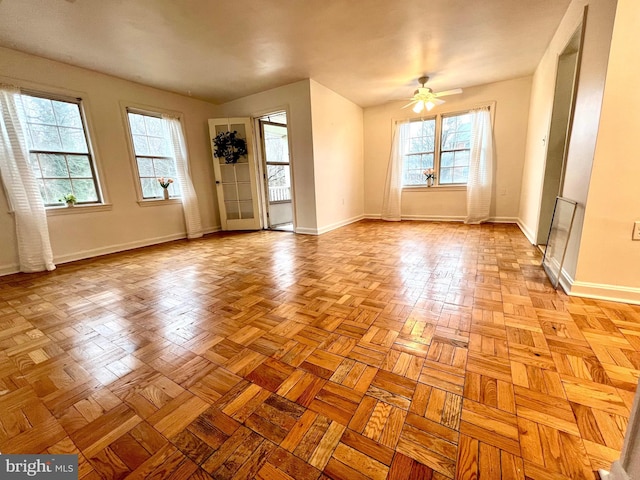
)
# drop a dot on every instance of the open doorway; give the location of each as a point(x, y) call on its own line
point(276, 172)
point(559, 132)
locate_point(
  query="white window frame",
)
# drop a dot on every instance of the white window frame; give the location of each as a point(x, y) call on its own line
point(438, 116)
point(127, 108)
point(100, 203)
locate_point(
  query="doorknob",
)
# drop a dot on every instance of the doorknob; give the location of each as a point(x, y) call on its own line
point(217, 182)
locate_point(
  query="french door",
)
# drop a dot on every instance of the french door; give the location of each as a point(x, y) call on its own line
point(236, 184)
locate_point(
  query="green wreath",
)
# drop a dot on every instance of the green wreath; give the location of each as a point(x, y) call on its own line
point(229, 146)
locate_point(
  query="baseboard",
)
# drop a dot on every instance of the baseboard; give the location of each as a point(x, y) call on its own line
point(9, 269)
point(617, 472)
point(120, 247)
point(433, 218)
point(442, 218)
point(207, 231)
point(565, 281)
point(307, 231)
point(503, 220)
point(342, 223)
point(527, 233)
point(96, 252)
point(601, 291)
point(328, 228)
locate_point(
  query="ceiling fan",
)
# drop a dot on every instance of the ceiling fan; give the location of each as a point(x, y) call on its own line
point(424, 97)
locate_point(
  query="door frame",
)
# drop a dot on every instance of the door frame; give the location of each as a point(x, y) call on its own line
point(263, 195)
point(549, 194)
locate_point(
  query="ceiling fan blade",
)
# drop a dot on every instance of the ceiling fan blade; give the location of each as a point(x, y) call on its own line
point(410, 103)
point(437, 101)
point(455, 91)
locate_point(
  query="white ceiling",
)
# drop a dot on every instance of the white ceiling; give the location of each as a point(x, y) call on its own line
point(369, 51)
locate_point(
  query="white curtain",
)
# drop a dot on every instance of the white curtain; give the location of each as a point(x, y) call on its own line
point(480, 180)
point(23, 194)
point(392, 200)
point(189, 199)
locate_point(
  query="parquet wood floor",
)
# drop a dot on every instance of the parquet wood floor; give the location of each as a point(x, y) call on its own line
point(380, 350)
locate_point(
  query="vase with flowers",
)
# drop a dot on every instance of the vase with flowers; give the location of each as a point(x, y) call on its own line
point(430, 175)
point(164, 183)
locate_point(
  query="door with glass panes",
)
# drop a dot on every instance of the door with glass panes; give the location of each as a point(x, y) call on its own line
point(236, 184)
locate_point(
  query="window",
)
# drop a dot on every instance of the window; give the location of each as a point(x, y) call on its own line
point(453, 132)
point(59, 151)
point(152, 150)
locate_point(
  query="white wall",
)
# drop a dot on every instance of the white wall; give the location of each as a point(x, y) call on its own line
point(296, 100)
point(125, 224)
point(338, 158)
point(609, 260)
point(449, 203)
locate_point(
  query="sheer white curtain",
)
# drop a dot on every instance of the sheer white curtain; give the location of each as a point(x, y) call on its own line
point(23, 194)
point(480, 167)
point(392, 200)
point(189, 199)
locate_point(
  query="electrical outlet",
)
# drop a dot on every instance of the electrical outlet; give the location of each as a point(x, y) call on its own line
point(636, 231)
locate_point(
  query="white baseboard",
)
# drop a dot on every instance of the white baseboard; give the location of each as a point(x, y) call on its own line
point(601, 291)
point(9, 269)
point(328, 228)
point(442, 218)
point(433, 218)
point(120, 247)
point(527, 233)
point(307, 231)
point(95, 252)
point(207, 231)
point(342, 223)
point(617, 472)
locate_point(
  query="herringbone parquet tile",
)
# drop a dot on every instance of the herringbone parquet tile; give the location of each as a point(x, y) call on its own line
point(416, 350)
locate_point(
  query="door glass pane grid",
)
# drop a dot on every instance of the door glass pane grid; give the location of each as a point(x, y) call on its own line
point(279, 182)
point(237, 192)
point(59, 153)
point(276, 144)
point(276, 152)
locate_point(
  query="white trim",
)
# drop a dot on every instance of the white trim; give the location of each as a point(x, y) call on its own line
point(99, 207)
point(442, 218)
point(207, 231)
point(342, 223)
point(617, 472)
point(328, 228)
point(154, 202)
point(96, 252)
point(12, 268)
point(601, 291)
point(9, 269)
point(434, 188)
point(306, 231)
point(434, 218)
point(527, 233)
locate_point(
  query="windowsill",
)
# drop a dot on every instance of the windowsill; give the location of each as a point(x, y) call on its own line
point(448, 188)
point(155, 202)
point(103, 207)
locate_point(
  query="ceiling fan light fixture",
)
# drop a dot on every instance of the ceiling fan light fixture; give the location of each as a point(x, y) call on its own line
point(425, 98)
